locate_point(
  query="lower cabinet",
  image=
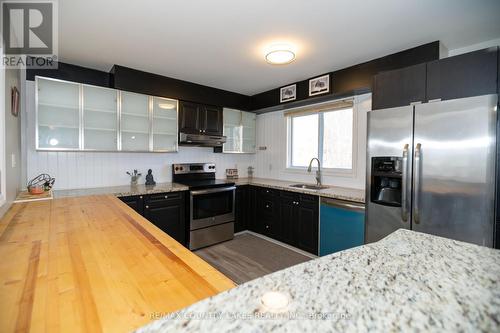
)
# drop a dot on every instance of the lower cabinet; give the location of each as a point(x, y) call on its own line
point(165, 210)
point(307, 218)
point(241, 201)
point(289, 217)
point(136, 202)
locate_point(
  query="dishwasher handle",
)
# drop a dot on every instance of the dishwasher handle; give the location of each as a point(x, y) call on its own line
point(343, 204)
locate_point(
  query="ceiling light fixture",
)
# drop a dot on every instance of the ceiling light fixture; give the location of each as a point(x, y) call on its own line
point(280, 54)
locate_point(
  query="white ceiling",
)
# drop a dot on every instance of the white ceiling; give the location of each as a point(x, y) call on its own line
point(221, 43)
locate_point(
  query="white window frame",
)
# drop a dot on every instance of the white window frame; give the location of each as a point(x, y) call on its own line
point(327, 171)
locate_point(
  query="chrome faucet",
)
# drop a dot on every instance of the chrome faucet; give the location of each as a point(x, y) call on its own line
point(318, 172)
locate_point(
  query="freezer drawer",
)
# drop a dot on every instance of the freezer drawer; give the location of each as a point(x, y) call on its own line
point(342, 225)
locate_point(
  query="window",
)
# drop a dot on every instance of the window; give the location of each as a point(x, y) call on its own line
point(327, 133)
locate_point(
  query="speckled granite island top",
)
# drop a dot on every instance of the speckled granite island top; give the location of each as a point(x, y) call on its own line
point(335, 192)
point(122, 191)
point(408, 281)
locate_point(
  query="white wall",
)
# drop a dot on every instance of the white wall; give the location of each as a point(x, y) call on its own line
point(474, 47)
point(271, 163)
point(88, 169)
point(12, 139)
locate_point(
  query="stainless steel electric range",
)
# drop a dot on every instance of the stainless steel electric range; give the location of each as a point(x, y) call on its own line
point(211, 204)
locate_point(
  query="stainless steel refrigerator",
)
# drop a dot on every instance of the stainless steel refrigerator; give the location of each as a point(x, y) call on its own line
point(431, 168)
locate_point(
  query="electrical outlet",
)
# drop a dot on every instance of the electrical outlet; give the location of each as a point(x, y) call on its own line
point(13, 160)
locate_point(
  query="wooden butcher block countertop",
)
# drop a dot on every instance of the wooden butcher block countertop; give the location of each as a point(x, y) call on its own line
point(91, 264)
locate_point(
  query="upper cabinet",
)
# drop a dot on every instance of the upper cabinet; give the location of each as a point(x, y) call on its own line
point(200, 119)
point(164, 124)
point(239, 129)
point(72, 116)
point(399, 87)
point(100, 118)
point(135, 122)
point(465, 75)
point(58, 116)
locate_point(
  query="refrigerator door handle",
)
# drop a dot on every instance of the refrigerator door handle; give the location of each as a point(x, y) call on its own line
point(404, 204)
point(416, 185)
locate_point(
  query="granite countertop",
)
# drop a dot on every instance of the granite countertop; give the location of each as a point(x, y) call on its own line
point(123, 190)
point(335, 192)
point(408, 281)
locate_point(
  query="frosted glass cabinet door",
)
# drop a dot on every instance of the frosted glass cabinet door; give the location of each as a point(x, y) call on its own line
point(100, 118)
point(232, 131)
point(164, 124)
point(134, 122)
point(248, 122)
point(58, 114)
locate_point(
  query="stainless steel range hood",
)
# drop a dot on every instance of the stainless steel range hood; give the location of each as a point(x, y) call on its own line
point(201, 140)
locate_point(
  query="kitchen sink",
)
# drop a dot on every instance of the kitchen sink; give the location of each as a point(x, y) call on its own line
point(310, 186)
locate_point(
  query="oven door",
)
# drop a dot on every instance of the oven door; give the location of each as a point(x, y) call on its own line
point(211, 207)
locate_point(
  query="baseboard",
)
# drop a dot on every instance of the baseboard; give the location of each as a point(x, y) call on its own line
point(304, 253)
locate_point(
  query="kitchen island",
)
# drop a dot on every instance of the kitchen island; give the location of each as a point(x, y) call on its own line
point(92, 264)
point(408, 281)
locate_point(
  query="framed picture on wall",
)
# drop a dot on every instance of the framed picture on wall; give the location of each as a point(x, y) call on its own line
point(288, 93)
point(319, 85)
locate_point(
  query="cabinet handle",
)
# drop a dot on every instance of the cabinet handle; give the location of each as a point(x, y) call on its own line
point(267, 191)
point(140, 197)
point(267, 227)
point(147, 207)
point(166, 197)
point(267, 206)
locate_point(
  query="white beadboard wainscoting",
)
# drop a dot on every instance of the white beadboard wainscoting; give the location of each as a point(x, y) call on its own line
point(88, 169)
point(97, 169)
point(271, 163)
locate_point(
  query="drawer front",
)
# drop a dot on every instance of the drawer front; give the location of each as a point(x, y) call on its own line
point(294, 196)
point(309, 200)
point(268, 192)
point(163, 198)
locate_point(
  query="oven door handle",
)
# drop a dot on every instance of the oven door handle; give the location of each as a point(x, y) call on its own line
point(213, 190)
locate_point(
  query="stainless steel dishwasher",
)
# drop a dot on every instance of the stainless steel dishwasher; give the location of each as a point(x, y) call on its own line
point(342, 225)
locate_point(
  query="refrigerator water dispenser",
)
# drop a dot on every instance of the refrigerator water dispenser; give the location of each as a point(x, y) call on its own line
point(386, 180)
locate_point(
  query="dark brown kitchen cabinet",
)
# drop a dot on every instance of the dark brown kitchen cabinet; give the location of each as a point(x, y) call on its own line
point(200, 119)
point(299, 220)
point(165, 210)
point(307, 224)
point(399, 87)
point(465, 75)
point(212, 120)
point(290, 217)
point(189, 118)
point(136, 202)
point(251, 208)
point(241, 211)
point(268, 214)
point(287, 226)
